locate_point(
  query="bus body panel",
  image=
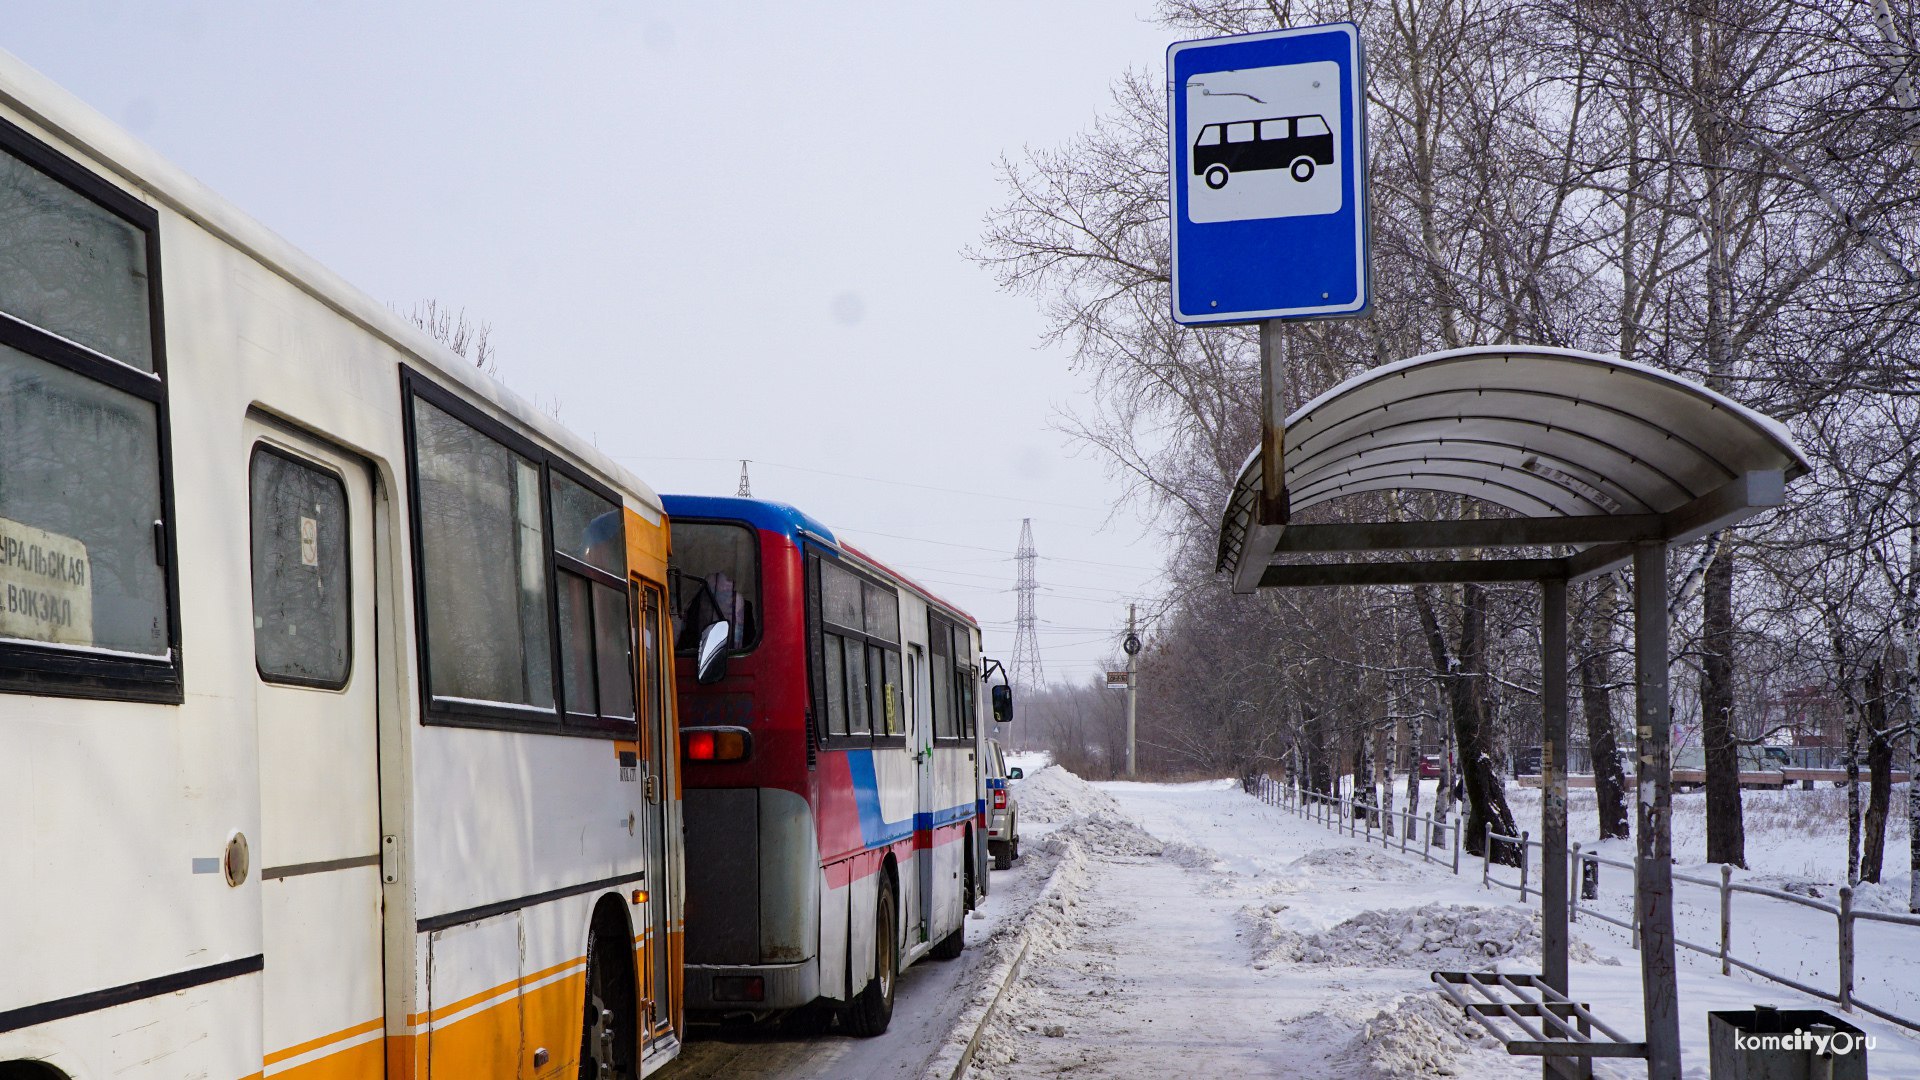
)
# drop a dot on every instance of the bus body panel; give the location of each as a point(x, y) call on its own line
point(124, 802)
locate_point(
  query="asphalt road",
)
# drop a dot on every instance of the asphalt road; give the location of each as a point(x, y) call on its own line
point(926, 1004)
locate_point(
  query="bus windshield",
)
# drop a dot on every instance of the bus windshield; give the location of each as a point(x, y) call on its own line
point(717, 576)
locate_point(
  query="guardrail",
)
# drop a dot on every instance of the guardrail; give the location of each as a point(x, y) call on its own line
point(1341, 813)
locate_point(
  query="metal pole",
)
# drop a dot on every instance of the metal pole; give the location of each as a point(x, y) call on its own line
point(1726, 916)
point(1273, 435)
point(1653, 834)
point(1132, 690)
point(1846, 947)
point(1553, 783)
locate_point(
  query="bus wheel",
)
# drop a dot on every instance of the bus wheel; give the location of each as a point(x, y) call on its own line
point(1217, 176)
point(607, 1022)
point(872, 1011)
point(1302, 169)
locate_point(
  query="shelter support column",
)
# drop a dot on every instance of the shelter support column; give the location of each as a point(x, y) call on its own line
point(1653, 829)
point(1553, 782)
point(1553, 802)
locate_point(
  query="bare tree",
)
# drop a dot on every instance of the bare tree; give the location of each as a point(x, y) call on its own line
point(466, 339)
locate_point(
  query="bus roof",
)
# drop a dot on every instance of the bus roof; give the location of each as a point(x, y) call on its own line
point(792, 523)
point(776, 517)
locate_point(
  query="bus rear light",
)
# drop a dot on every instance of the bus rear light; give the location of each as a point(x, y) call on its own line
point(999, 798)
point(739, 988)
point(716, 743)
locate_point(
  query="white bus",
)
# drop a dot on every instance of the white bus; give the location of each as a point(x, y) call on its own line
point(336, 701)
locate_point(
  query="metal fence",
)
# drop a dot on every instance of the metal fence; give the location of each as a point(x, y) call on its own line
point(1421, 834)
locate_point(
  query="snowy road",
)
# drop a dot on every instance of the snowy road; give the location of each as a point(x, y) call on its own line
point(930, 997)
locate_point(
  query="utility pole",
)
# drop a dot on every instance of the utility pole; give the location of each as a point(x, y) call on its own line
point(1132, 646)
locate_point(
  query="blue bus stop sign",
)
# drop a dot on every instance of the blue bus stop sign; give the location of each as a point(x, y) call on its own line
point(1267, 165)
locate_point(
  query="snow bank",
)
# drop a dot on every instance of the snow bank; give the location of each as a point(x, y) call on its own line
point(1433, 936)
point(1421, 1035)
point(1091, 821)
point(1348, 862)
point(1056, 796)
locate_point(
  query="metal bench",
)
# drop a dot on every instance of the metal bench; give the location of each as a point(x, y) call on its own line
point(1533, 1019)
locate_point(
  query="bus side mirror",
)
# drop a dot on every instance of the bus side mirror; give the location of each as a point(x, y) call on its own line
point(1015, 772)
point(710, 665)
point(1003, 703)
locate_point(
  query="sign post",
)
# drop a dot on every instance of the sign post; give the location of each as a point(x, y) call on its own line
point(1267, 190)
point(1132, 648)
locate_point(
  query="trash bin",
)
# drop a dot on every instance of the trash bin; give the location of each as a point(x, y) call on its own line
point(1768, 1043)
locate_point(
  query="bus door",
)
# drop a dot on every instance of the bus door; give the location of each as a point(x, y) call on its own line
point(316, 712)
point(656, 736)
point(920, 724)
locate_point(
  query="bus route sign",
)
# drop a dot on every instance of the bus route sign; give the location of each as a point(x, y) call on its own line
point(1267, 176)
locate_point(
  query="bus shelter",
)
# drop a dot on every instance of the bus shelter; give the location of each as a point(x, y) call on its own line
point(1594, 464)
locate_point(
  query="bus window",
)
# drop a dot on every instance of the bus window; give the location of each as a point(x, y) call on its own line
point(858, 720)
point(940, 644)
point(82, 533)
point(1240, 132)
point(300, 587)
point(719, 578)
point(896, 699)
point(483, 566)
point(73, 267)
point(596, 626)
point(1209, 136)
point(836, 686)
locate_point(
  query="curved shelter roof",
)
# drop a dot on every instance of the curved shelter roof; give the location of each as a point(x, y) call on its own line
point(1585, 450)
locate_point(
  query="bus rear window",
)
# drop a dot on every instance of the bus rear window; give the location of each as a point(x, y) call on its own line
point(717, 576)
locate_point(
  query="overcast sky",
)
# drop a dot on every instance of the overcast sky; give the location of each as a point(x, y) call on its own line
point(703, 231)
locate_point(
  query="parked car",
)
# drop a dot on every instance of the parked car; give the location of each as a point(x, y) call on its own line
point(1430, 766)
point(1527, 761)
point(1003, 810)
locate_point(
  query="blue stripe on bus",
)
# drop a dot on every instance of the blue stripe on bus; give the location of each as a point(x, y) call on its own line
point(875, 829)
point(952, 815)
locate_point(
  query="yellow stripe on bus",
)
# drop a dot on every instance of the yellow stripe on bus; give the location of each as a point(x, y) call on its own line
point(314, 1044)
point(445, 1011)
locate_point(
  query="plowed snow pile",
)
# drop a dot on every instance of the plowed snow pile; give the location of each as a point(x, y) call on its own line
point(1420, 1036)
point(1432, 936)
point(1056, 796)
point(1356, 863)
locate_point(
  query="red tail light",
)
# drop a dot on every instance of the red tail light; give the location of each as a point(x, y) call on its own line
point(715, 744)
point(999, 798)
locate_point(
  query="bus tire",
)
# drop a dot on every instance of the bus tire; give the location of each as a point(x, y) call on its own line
point(1217, 176)
point(1301, 169)
point(872, 1011)
point(608, 1039)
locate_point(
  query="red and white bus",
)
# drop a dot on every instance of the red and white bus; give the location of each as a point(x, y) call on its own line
point(833, 736)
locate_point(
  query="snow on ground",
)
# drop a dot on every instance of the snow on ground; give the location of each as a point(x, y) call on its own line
point(1191, 930)
point(1796, 843)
